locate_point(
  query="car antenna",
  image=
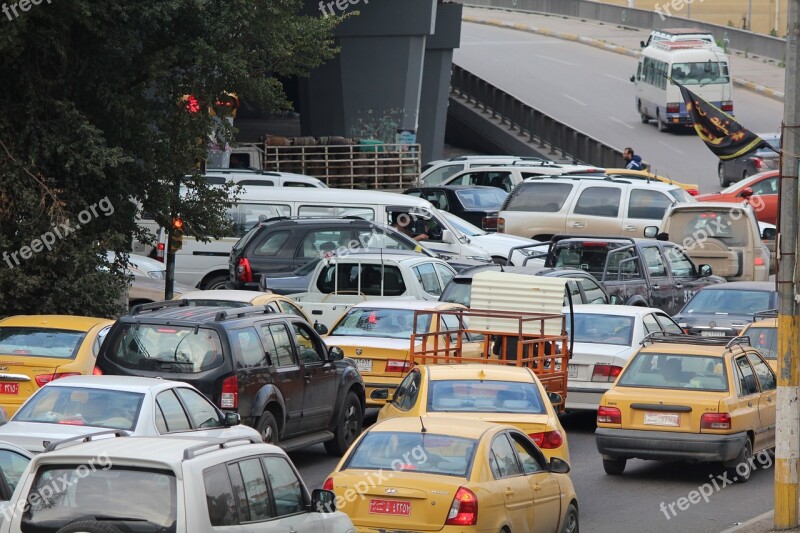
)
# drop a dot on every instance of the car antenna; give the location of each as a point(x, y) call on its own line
point(421, 423)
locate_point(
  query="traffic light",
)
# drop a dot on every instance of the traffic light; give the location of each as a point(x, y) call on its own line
point(191, 103)
point(176, 235)
point(226, 106)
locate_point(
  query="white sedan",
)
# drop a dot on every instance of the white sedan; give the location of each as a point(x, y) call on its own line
point(78, 405)
point(498, 245)
point(606, 337)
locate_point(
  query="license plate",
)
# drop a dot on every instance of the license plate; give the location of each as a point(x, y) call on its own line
point(662, 419)
point(364, 365)
point(572, 371)
point(9, 388)
point(396, 507)
point(712, 333)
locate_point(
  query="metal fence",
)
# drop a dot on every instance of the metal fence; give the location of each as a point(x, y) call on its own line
point(540, 128)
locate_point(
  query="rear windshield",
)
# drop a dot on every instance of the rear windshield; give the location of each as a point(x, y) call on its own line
point(728, 302)
point(40, 342)
point(671, 371)
point(425, 453)
point(695, 226)
point(61, 495)
point(681, 195)
point(171, 349)
point(539, 197)
point(79, 406)
point(765, 340)
point(603, 328)
point(486, 199)
point(485, 397)
point(390, 323)
point(241, 244)
point(457, 291)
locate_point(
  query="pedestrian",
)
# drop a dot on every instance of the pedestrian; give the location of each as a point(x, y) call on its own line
point(632, 161)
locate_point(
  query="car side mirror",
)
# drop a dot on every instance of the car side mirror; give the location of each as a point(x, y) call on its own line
point(321, 329)
point(382, 394)
point(705, 270)
point(555, 398)
point(747, 193)
point(642, 44)
point(323, 501)
point(633, 79)
point(650, 232)
point(558, 466)
point(769, 234)
point(335, 353)
point(447, 236)
point(232, 419)
point(662, 236)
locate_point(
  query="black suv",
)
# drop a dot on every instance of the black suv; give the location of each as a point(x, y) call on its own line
point(272, 369)
point(286, 244)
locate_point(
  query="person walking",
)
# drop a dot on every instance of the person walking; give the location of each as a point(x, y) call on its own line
point(632, 161)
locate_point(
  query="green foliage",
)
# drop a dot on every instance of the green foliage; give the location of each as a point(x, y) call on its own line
point(92, 110)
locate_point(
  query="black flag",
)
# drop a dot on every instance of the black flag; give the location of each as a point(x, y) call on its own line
point(721, 133)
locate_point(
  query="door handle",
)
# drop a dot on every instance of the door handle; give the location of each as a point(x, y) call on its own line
point(578, 225)
point(537, 487)
point(508, 492)
point(308, 377)
point(316, 312)
point(629, 227)
point(749, 404)
point(678, 285)
point(769, 398)
point(656, 286)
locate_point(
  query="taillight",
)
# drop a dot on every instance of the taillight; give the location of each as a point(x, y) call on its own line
point(674, 108)
point(715, 421)
point(97, 372)
point(727, 106)
point(501, 225)
point(230, 393)
point(243, 271)
point(396, 365)
point(758, 163)
point(41, 379)
point(608, 415)
point(548, 440)
point(606, 373)
point(759, 261)
point(693, 192)
point(160, 251)
point(328, 485)
point(464, 509)
point(489, 223)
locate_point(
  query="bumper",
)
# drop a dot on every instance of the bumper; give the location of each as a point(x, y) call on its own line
point(585, 398)
point(668, 446)
point(682, 119)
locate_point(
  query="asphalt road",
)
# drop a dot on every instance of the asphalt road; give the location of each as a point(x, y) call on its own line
point(630, 503)
point(589, 89)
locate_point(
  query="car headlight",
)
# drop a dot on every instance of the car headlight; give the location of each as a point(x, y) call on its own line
point(484, 258)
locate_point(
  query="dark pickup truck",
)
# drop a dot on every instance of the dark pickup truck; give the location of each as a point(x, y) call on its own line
point(637, 271)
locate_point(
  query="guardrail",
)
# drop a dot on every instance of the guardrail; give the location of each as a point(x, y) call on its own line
point(539, 127)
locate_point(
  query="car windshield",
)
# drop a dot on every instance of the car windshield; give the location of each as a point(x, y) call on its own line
point(166, 349)
point(765, 340)
point(728, 302)
point(602, 329)
point(391, 323)
point(675, 371)
point(463, 226)
point(423, 453)
point(490, 199)
point(80, 406)
point(457, 291)
point(700, 73)
point(40, 342)
point(63, 494)
point(474, 396)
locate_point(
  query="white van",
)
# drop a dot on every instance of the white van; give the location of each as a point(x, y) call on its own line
point(205, 265)
point(701, 67)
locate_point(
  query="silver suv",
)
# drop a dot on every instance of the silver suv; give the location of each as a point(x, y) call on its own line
point(436, 172)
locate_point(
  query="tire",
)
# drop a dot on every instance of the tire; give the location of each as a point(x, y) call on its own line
point(662, 126)
point(642, 115)
point(215, 283)
point(268, 428)
point(745, 457)
point(614, 467)
point(723, 182)
point(348, 427)
point(89, 526)
point(571, 520)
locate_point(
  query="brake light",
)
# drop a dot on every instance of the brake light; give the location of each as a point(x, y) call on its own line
point(693, 192)
point(42, 379)
point(160, 247)
point(243, 271)
point(727, 106)
point(501, 225)
point(489, 222)
point(594, 244)
point(605, 373)
point(547, 440)
point(759, 261)
point(396, 365)
point(758, 163)
point(715, 421)
point(97, 372)
point(608, 415)
point(674, 108)
point(230, 393)
point(464, 509)
point(328, 485)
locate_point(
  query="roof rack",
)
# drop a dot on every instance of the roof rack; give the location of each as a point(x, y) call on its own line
point(191, 453)
point(154, 306)
point(769, 313)
point(85, 438)
point(681, 338)
point(563, 236)
point(240, 312)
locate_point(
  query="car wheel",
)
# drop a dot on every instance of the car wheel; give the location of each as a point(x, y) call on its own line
point(571, 520)
point(614, 467)
point(745, 457)
point(662, 126)
point(89, 526)
point(645, 119)
point(723, 182)
point(268, 428)
point(348, 428)
point(215, 283)
point(500, 261)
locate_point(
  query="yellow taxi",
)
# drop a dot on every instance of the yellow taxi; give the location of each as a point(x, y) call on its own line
point(763, 334)
point(377, 336)
point(700, 399)
point(435, 474)
point(691, 188)
point(36, 349)
point(501, 394)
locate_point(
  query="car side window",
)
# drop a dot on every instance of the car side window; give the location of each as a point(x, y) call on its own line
point(767, 186)
point(247, 348)
point(426, 275)
point(505, 458)
point(680, 265)
point(438, 199)
point(407, 392)
point(308, 345)
point(648, 204)
point(292, 309)
point(442, 173)
point(539, 197)
point(445, 274)
point(668, 324)
point(470, 178)
point(286, 488)
point(320, 243)
point(650, 324)
point(13, 465)
point(279, 345)
point(272, 244)
point(221, 503)
point(98, 341)
point(598, 202)
point(202, 412)
point(654, 261)
point(593, 292)
point(170, 415)
point(255, 489)
point(531, 459)
point(746, 377)
point(766, 378)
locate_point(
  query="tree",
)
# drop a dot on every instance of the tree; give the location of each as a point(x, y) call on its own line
point(93, 111)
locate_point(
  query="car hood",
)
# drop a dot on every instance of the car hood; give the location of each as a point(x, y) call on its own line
point(33, 435)
point(593, 353)
point(384, 343)
point(705, 319)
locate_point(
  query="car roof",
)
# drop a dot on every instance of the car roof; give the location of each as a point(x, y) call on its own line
point(479, 371)
point(601, 177)
point(77, 323)
point(687, 349)
point(224, 294)
point(435, 425)
point(189, 315)
point(396, 256)
point(121, 383)
point(458, 187)
point(394, 303)
point(469, 273)
point(610, 309)
point(763, 323)
point(319, 221)
point(742, 285)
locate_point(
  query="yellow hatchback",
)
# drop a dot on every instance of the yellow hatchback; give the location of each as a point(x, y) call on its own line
point(433, 474)
point(697, 399)
point(501, 394)
point(36, 349)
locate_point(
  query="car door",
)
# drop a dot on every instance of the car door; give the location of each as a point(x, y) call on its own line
point(428, 280)
point(596, 211)
point(684, 274)
point(405, 398)
point(546, 510)
point(320, 242)
point(768, 401)
point(203, 415)
point(284, 372)
point(765, 199)
point(667, 324)
point(662, 290)
point(645, 207)
point(319, 374)
point(272, 252)
point(593, 293)
point(746, 407)
point(12, 466)
point(511, 482)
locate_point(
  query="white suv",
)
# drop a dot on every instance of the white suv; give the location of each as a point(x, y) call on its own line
point(179, 485)
point(246, 177)
point(436, 172)
point(509, 176)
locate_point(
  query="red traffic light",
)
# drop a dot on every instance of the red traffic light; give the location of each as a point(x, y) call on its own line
point(192, 103)
point(177, 223)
